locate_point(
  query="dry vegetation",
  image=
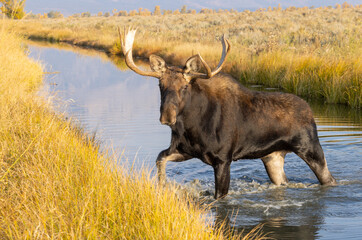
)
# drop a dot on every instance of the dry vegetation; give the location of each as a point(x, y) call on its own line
point(56, 184)
point(314, 53)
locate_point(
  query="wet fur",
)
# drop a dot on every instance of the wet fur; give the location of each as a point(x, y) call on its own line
point(222, 121)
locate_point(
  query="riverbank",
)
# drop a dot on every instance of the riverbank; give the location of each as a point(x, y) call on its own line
point(314, 53)
point(55, 183)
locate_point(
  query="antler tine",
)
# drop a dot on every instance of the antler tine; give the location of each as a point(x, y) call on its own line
point(207, 67)
point(225, 50)
point(127, 45)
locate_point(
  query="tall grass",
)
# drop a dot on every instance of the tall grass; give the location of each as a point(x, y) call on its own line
point(334, 80)
point(55, 183)
point(314, 53)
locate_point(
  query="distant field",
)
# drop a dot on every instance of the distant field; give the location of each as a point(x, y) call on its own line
point(314, 53)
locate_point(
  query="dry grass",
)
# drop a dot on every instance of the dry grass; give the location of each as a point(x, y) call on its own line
point(56, 184)
point(314, 53)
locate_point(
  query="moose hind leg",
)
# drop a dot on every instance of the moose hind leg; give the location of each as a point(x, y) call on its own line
point(313, 155)
point(274, 165)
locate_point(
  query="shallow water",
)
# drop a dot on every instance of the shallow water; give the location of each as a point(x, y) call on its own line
point(122, 108)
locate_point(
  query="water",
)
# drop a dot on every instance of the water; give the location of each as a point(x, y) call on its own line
point(122, 108)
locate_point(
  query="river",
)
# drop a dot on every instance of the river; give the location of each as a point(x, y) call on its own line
point(122, 109)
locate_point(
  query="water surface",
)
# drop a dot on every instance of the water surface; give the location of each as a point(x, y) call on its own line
point(122, 108)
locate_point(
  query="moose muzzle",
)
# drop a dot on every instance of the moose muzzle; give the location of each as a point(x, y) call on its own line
point(168, 115)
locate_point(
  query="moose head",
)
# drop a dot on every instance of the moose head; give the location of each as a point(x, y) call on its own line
point(173, 81)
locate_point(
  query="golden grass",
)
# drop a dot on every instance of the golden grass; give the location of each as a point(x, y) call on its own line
point(310, 52)
point(55, 183)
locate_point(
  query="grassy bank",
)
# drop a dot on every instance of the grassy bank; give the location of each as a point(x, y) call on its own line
point(314, 53)
point(55, 183)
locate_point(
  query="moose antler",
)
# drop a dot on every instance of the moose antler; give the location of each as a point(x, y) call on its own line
point(225, 51)
point(127, 44)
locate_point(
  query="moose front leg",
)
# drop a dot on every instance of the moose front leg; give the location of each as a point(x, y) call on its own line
point(222, 179)
point(163, 157)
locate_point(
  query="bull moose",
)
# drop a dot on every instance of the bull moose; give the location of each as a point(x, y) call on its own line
point(217, 120)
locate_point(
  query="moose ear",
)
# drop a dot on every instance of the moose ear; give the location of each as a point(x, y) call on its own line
point(157, 64)
point(193, 64)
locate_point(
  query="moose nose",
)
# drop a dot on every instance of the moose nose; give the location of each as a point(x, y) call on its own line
point(168, 117)
point(167, 122)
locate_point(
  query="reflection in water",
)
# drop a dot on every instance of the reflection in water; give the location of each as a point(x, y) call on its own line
point(120, 108)
point(123, 109)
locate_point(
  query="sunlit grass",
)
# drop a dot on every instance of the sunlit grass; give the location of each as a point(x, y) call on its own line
point(335, 80)
point(56, 184)
point(314, 53)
